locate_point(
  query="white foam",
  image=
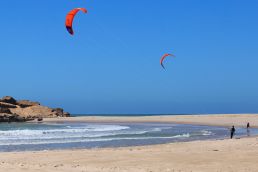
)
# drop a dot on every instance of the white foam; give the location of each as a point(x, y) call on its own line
point(206, 133)
point(160, 129)
point(83, 140)
point(27, 132)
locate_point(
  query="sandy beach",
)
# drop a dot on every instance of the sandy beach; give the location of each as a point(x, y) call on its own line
point(226, 120)
point(239, 154)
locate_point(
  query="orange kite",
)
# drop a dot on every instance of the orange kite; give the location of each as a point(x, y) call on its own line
point(69, 19)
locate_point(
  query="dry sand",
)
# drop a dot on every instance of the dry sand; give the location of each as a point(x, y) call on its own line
point(214, 155)
point(214, 120)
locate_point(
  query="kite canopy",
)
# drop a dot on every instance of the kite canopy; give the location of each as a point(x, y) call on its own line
point(69, 19)
point(163, 58)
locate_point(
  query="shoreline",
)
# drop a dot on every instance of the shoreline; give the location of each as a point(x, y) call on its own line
point(201, 156)
point(213, 155)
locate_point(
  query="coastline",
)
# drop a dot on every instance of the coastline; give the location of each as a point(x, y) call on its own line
point(239, 154)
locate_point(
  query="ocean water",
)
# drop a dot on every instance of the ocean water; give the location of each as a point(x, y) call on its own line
point(53, 136)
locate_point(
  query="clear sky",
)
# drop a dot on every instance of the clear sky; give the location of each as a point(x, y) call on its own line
point(111, 64)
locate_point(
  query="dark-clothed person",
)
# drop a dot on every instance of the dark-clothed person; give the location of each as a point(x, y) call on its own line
point(248, 129)
point(232, 131)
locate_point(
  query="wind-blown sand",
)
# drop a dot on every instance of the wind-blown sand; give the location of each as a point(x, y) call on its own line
point(214, 155)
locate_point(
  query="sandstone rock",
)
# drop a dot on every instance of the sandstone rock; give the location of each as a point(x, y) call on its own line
point(8, 99)
point(27, 103)
point(34, 111)
point(7, 105)
point(38, 111)
point(11, 118)
point(5, 110)
point(4, 117)
point(58, 111)
point(24, 110)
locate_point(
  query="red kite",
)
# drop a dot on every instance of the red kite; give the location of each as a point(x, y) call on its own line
point(69, 19)
point(163, 58)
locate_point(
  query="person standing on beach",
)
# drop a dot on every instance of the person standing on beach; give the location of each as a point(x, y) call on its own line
point(232, 131)
point(247, 129)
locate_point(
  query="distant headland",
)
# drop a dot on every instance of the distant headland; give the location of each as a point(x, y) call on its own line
point(12, 110)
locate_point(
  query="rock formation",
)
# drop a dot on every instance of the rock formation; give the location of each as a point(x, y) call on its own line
point(8, 99)
point(12, 110)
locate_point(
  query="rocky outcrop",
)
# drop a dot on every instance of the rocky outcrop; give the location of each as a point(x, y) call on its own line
point(8, 99)
point(12, 118)
point(27, 103)
point(12, 110)
point(5, 110)
point(7, 105)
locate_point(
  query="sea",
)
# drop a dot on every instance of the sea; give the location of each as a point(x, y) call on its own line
point(77, 135)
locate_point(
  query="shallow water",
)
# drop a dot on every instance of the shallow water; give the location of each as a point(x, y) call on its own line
point(51, 136)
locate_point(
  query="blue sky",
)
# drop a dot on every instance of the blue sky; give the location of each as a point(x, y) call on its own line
point(111, 64)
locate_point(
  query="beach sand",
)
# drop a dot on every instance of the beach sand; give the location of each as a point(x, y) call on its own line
point(226, 120)
point(202, 156)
